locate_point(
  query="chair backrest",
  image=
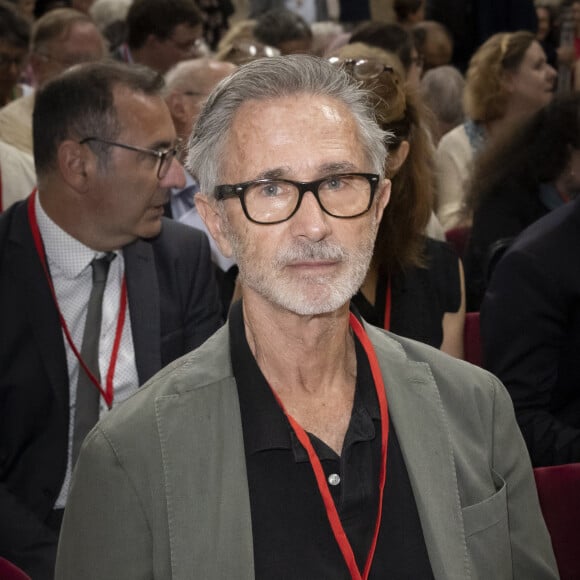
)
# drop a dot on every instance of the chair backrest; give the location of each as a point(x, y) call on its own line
point(457, 238)
point(472, 351)
point(559, 493)
point(9, 571)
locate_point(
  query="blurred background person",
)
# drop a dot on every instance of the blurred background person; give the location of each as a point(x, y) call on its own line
point(530, 323)
point(575, 14)
point(326, 36)
point(518, 180)
point(414, 286)
point(310, 10)
point(25, 7)
point(442, 91)
point(82, 5)
point(409, 12)
point(393, 38)
point(284, 30)
point(14, 41)
point(547, 32)
point(216, 14)
point(160, 33)
point(187, 86)
point(508, 80)
point(110, 17)
point(239, 45)
point(60, 39)
point(433, 43)
point(17, 176)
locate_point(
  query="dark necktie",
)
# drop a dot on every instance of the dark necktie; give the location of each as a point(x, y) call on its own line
point(88, 396)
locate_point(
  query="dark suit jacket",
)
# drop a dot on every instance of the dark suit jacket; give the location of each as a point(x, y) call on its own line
point(530, 321)
point(174, 306)
point(504, 213)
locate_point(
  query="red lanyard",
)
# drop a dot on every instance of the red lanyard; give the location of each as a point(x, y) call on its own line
point(388, 299)
point(107, 393)
point(331, 512)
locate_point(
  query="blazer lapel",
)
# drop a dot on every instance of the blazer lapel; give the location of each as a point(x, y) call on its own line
point(417, 413)
point(24, 264)
point(144, 309)
point(206, 483)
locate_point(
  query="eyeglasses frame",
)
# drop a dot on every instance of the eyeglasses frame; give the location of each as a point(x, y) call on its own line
point(160, 155)
point(238, 190)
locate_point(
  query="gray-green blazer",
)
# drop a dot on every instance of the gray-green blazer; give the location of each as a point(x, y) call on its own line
point(161, 491)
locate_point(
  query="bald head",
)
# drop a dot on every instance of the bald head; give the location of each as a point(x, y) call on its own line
point(187, 86)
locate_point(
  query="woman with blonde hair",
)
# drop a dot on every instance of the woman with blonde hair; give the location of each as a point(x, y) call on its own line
point(508, 80)
point(414, 286)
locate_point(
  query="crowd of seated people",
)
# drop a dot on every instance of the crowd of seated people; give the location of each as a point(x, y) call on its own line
point(482, 139)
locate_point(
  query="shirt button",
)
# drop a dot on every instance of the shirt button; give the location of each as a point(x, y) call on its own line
point(334, 479)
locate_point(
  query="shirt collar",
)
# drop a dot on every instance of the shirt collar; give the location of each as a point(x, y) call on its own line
point(64, 254)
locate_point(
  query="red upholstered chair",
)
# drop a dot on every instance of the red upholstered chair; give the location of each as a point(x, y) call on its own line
point(472, 351)
point(9, 571)
point(559, 493)
point(457, 238)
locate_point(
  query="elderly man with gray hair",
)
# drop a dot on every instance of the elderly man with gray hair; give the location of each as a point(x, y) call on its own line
point(299, 441)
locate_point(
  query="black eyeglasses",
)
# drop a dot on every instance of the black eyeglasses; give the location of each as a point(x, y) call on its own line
point(272, 201)
point(362, 69)
point(165, 156)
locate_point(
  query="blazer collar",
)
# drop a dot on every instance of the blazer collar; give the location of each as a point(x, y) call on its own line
point(144, 307)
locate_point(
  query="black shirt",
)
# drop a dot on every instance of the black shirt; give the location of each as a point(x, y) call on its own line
point(291, 533)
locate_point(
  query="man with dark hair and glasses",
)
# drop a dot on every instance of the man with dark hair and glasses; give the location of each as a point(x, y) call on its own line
point(299, 441)
point(105, 150)
point(161, 33)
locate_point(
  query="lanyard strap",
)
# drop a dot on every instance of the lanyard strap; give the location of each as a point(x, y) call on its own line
point(331, 511)
point(388, 301)
point(107, 392)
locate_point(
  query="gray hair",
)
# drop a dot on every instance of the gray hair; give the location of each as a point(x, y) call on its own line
point(272, 78)
point(442, 90)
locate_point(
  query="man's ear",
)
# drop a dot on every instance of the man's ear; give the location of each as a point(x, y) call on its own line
point(76, 163)
point(214, 221)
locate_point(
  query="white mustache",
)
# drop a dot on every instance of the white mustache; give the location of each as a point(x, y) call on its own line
point(311, 252)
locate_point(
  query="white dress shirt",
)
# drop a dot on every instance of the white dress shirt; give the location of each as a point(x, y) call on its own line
point(69, 263)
